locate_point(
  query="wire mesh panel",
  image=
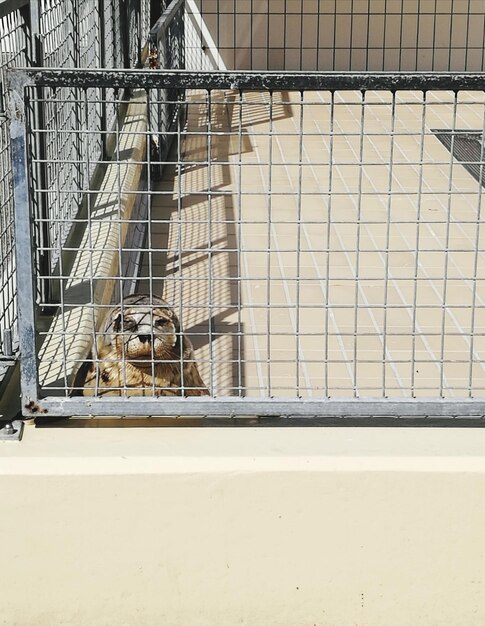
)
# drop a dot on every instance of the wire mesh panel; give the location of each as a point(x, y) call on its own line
point(314, 247)
point(88, 35)
point(167, 50)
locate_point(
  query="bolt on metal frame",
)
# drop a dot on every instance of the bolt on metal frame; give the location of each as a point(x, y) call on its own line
point(219, 105)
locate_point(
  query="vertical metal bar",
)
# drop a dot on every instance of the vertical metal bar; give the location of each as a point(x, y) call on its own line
point(89, 227)
point(236, 40)
point(384, 37)
point(298, 246)
point(268, 261)
point(329, 238)
point(182, 40)
point(447, 245)
point(367, 37)
point(180, 244)
point(467, 32)
point(102, 62)
point(319, 13)
point(301, 36)
point(139, 63)
point(357, 246)
point(7, 347)
point(416, 56)
point(351, 35)
point(62, 311)
point(417, 246)
point(388, 237)
point(125, 32)
point(450, 48)
point(150, 134)
point(334, 43)
point(148, 233)
point(37, 59)
point(24, 248)
point(209, 239)
point(478, 222)
point(401, 25)
point(239, 243)
point(251, 38)
point(118, 100)
point(433, 44)
point(268, 34)
point(285, 46)
point(482, 64)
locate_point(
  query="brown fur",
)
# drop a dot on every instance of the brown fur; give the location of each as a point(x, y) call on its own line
point(141, 353)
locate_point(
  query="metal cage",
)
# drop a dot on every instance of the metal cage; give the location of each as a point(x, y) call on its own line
point(317, 234)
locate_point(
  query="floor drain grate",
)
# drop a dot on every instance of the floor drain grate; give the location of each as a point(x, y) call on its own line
point(468, 148)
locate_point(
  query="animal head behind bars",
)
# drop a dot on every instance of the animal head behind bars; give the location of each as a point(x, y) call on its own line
point(143, 328)
point(142, 351)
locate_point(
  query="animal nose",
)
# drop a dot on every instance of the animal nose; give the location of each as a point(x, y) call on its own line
point(144, 338)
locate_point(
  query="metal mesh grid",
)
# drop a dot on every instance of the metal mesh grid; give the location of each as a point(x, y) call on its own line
point(356, 35)
point(167, 50)
point(334, 231)
point(314, 244)
point(77, 36)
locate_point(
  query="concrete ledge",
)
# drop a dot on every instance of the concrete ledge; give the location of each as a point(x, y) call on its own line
point(211, 527)
point(71, 332)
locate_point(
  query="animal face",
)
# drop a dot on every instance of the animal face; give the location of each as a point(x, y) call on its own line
point(144, 331)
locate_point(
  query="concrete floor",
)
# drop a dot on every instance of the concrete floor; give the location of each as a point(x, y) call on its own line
point(296, 278)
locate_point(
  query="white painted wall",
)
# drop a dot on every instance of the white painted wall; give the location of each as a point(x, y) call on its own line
point(268, 527)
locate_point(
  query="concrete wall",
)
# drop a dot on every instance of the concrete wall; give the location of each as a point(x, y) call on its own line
point(343, 34)
point(268, 527)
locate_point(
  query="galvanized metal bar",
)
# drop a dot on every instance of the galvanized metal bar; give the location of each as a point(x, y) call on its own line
point(417, 248)
point(24, 242)
point(386, 252)
point(478, 234)
point(444, 294)
point(234, 406)
point(269, 218)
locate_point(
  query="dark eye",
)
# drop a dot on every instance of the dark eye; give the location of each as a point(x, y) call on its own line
point(162, 322)
point(129, 324)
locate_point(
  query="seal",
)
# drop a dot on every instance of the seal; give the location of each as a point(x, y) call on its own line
point(141, 351)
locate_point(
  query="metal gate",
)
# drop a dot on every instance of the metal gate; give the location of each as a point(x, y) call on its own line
point(320, 243)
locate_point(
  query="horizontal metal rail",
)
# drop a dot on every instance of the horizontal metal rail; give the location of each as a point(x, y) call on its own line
point(273, 81)
point(264, 407)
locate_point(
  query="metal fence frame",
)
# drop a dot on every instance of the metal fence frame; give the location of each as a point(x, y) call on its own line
point(33, 404)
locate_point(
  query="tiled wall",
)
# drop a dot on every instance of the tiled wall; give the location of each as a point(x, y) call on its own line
point(343, 34)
